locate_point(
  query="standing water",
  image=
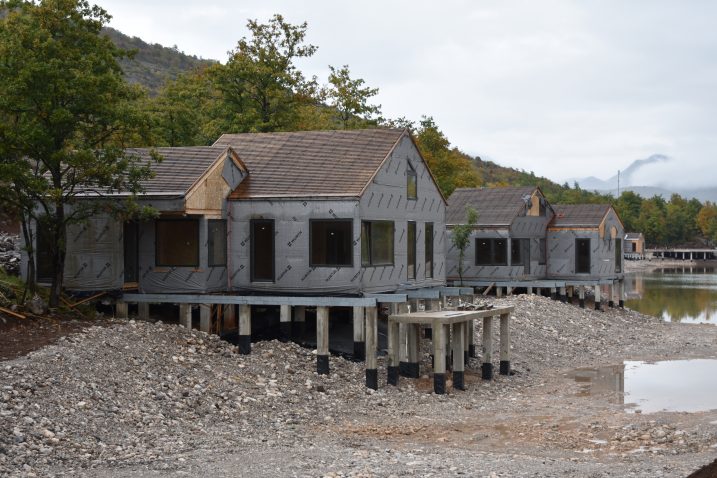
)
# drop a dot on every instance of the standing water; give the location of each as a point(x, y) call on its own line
point(687, 294)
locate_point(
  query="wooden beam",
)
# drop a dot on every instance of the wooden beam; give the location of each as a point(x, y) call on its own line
point(252, 300)
point(12, 313)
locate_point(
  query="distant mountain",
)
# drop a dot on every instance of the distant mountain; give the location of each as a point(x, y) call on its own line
point(153, 65)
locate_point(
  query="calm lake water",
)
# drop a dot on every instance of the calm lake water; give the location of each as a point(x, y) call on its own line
point(686, 295)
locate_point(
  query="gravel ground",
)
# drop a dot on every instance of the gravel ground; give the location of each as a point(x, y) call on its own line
point(143, 399)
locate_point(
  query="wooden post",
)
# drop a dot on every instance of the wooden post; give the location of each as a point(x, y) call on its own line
point(487, 367)
point(571, 291)
point(439, 358)
point(185, 316)
point(299, 326)
point(143, 311)
point(230, 318)
point(598, 299)
point(563, 295)
point(621, 293)
point(371, 345)
point(458, 356)
point(284, 323)
point(122, 309)
point(393, 360)
point(244, 338)
point(581, 296)
point(205, 318)
point(322, 340)
point(359, 333)
point(505, 344)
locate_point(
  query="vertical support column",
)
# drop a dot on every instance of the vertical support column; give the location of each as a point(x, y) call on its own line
point(244, 329)
point(284, 323)
point(143, 311)
point(433, 304)
point(487, 367)
point(446, 343)
point(458, 356)
point(413, 336)
point(505, 344)
point(571, 292)
point(122, 309)
point(230, 318)
point(553, 293)
point(470, 332)
point(322, 340)
point(185, 316)
point(393, 360)
point(538, 291)
point(498, 291)
point(359, 333)
point(581, 296)
point(402, 308)
point(205, 318)
point(563, 295)
point(298, 329)
point(439, 358)
point(598, 299)
point(530, 291)
point(621, 293)
point(371, 345)
point(611, 296)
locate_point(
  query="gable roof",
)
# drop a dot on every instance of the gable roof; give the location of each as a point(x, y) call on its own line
point(310, 163)
point(179, 169)
point(579, 215)
point(495, 206)
point(633, 236)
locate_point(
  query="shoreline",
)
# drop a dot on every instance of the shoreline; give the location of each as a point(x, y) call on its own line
point(652, 264)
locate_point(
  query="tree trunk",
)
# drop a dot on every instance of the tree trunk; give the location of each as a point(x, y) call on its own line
point(31, 282)
point(59, 252)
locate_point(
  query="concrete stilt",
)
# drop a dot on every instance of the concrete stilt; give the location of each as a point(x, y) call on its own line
point(447, 331)
point(433, 304)
point(413, 346)
point(244, 329)
point(298, 329)
point(371, 346)
point(563, 295)
point(553, 293)
point(439, 358)
point(359, 333)
point(393, 361)
point(284, 323)
point(505, 344)
point(402, 341)
point(498, 291)
point(143, 311)
point(185, 316)
point(611, 296)
point(538, 291)
point(458, 356)
point(205, 318)
point(530, 291)
point(581, 296)
point(122, 310)
point(487, 366)
point(571, 293)
point(322, 340)
point(598, 298)
point(470, 333)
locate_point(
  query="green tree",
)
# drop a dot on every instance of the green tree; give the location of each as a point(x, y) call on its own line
point(70, 113)
point(707, 221)
point(350, 98)
point(460, 236)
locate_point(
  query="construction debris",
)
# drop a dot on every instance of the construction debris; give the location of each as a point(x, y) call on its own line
point(10, 254)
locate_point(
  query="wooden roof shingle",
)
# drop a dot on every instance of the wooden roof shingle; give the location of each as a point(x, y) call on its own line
point(495, 206)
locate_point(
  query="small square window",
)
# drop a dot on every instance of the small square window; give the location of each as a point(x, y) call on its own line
point(177, 242)
point(331, 243)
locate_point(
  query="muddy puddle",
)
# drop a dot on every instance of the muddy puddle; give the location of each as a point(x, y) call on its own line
point(649, 387)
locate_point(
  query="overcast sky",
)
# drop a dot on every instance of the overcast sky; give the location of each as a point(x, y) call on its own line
point(562, 88)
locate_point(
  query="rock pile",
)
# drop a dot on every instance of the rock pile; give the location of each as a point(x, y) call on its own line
point(10, 253)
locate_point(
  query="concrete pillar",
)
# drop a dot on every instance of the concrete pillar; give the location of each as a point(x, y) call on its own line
point(185, 316)
point(298, 329)
point(439, 357)
point(359, 333)
point(530, 291)
point(143, 311)
point(505, 344)
point(470, 333)
point(205, 318)
point(244, 338)
point(581, 296)
point(413, 335)
point(458, 356)
point(611, 296)
point(598, 298)
point(122, 310)
point(371, 346)
point(563, 294)
point(322, 340)
point(498, 291)
point(447, 331)
point(393, 360)
point(553, 293)
point(621, 294)
point(433, 304)
point(402, 308)
point(487, 367)
point(571, 292)
point(284, 323)
point(538, 291)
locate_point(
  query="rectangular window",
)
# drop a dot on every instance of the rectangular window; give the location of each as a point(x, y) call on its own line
point(411, 250)
point(542, 252)
point(618, 256)
point(177, 243)
point(411, 182)
point(491, 252)
point(377, 243)
point(331, 244)
point(429, 250)
point(582, 256)
point(217, 242)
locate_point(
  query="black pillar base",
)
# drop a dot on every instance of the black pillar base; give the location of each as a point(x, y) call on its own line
point(465, 357)
point(322, 364)
point(413, 370)
point(284, 331)
point(449, 360)
point(621, 304)
point(582, 303)
point(404, 369)
point(598, 305)
point(428, 333)
point(472, 351)
point(553, 295)
point(505, 367)
point(360, 351)
point(298, 330)
point(487, 371)
point(564, 299)
point(372, 378)
point(439, 383)
point(392, 375)
point(244, 343)
point(458, 380)
point(611, 304)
